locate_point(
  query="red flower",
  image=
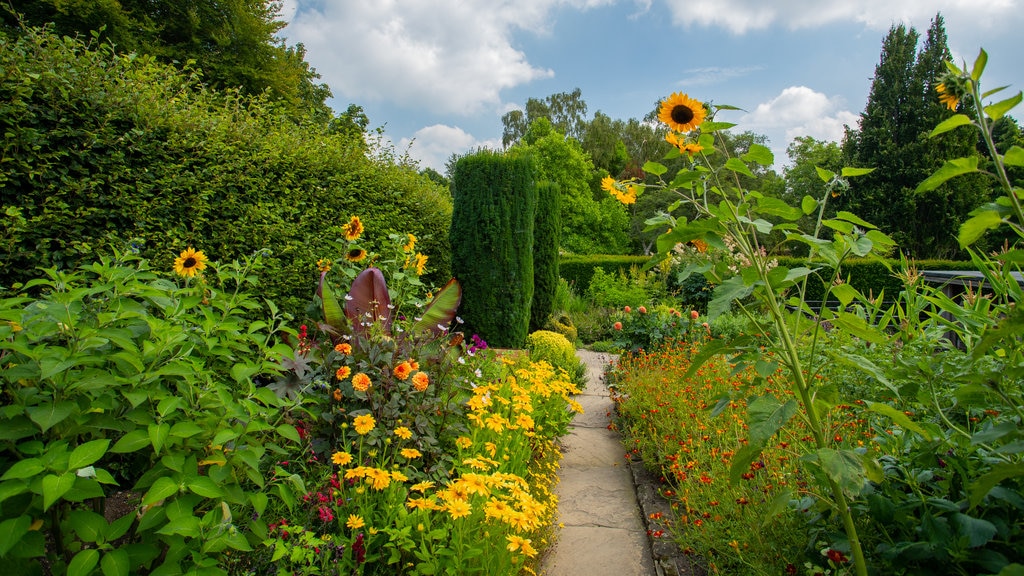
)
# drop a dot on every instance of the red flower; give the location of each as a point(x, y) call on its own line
point(694, 314)
point(617, 325)
point(627, 309)
point(836, 556)
point(642, 309)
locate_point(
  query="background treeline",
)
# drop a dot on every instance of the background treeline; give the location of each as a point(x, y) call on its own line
point(104, 149)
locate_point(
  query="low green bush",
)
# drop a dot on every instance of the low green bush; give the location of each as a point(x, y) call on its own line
point(556, 350)
point(579, 270)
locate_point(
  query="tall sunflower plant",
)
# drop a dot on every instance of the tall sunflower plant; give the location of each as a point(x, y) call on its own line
point(734, 219)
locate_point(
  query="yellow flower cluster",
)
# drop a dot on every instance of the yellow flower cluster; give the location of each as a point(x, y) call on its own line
point(622, 191)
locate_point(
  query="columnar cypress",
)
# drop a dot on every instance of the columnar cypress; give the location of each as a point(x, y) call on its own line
point(546, 236)
point(495, 203)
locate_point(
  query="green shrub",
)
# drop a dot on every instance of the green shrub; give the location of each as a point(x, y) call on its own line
point(117, 380)
point(578, 270)
point(616, 290)
point(562, 324)
point(546, 233)
point(492, 244)
point(103, 149)
point(556, 350)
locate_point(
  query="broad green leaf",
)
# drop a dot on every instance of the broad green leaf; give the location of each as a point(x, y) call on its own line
point(84, 562)
point(56, 486)
point(950, 123)
point(825, 175)
point(183, 525)
point(88, 525)
point(259, 502)
point(161, 489)
point(88, 453)
point(288, 431)
point(776, 207)
point(759, 154)
point(951, 169)
point(992, 433)
point(766, 416)
point(23, 469)
point(845, 293)
point(857, 326)
point(186, 429)
point(999, 109)
point(983, 485)
point(843, 467)
point(205, 487)
point(685, 179)
point(732, 289)
point(158, 434)
point(851, 217)
point(976, 226)
point(49, 415)
point(850, 172)
point(115, 563)
point(1014, 156)
point(977, 531)
point(168, 405)
point(710, 127)
point(808, 205)
point(654, 168)
point(441, 310)
point(334, 316)
point(979, 65)
point(899, 418)
point(12, 530)
point(131, 442)
point(738, 166)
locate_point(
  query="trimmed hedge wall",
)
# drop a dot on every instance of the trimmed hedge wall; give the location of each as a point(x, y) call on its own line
point(578, 270)
point(547, 233)
point(868, 276)
point(103, 149)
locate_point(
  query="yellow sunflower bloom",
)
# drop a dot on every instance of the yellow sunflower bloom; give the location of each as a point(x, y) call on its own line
point(681, 113)
point(410, 245)
point(355, 255)
point(947, 97)
point(353, 229)
point(189, 262)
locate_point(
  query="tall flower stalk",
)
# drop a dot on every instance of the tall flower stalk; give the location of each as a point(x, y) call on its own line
point(732, 218)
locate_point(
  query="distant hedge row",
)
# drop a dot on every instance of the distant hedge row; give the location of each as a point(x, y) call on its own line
point(103, 149)
point(869, 276)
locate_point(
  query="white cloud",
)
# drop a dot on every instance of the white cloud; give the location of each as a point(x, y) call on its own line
point(443, 56)
point(715, 74)
point(432, 146)
point(739, 16)
point(798, 111)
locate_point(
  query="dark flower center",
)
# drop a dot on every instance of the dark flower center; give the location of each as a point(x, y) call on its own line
point(681, 114)
point(189, 262)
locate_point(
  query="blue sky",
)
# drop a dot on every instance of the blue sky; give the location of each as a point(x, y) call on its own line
point(439, 74)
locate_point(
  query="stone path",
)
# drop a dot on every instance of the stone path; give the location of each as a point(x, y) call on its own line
point(603, 532)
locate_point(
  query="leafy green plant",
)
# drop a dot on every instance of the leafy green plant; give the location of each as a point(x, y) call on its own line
point(118, 381)
point(557, 350)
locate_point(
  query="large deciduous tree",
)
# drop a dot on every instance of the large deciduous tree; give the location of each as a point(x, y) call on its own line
point(233, 42)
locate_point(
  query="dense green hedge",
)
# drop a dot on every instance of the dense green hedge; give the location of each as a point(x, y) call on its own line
point(104, 149)
point(492, 244)
point(870, 276)
point(578, 270)
point(547, 233)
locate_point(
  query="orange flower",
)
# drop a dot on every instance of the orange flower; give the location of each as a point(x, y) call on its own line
point(361, 382)
point(337, 395)
point(353, 229)
point(617, 325)
point(420, 381)
point(403, 370)
point(343, 372)
point(343, 348)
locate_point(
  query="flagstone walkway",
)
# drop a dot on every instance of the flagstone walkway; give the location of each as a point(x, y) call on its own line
point(602, 532)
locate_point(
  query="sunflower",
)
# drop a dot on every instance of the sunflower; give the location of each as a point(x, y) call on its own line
point(681, 113)
point(947, 97)
point(189, 262)
point(353, 229)
point(355, 255)
point(410, 245)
